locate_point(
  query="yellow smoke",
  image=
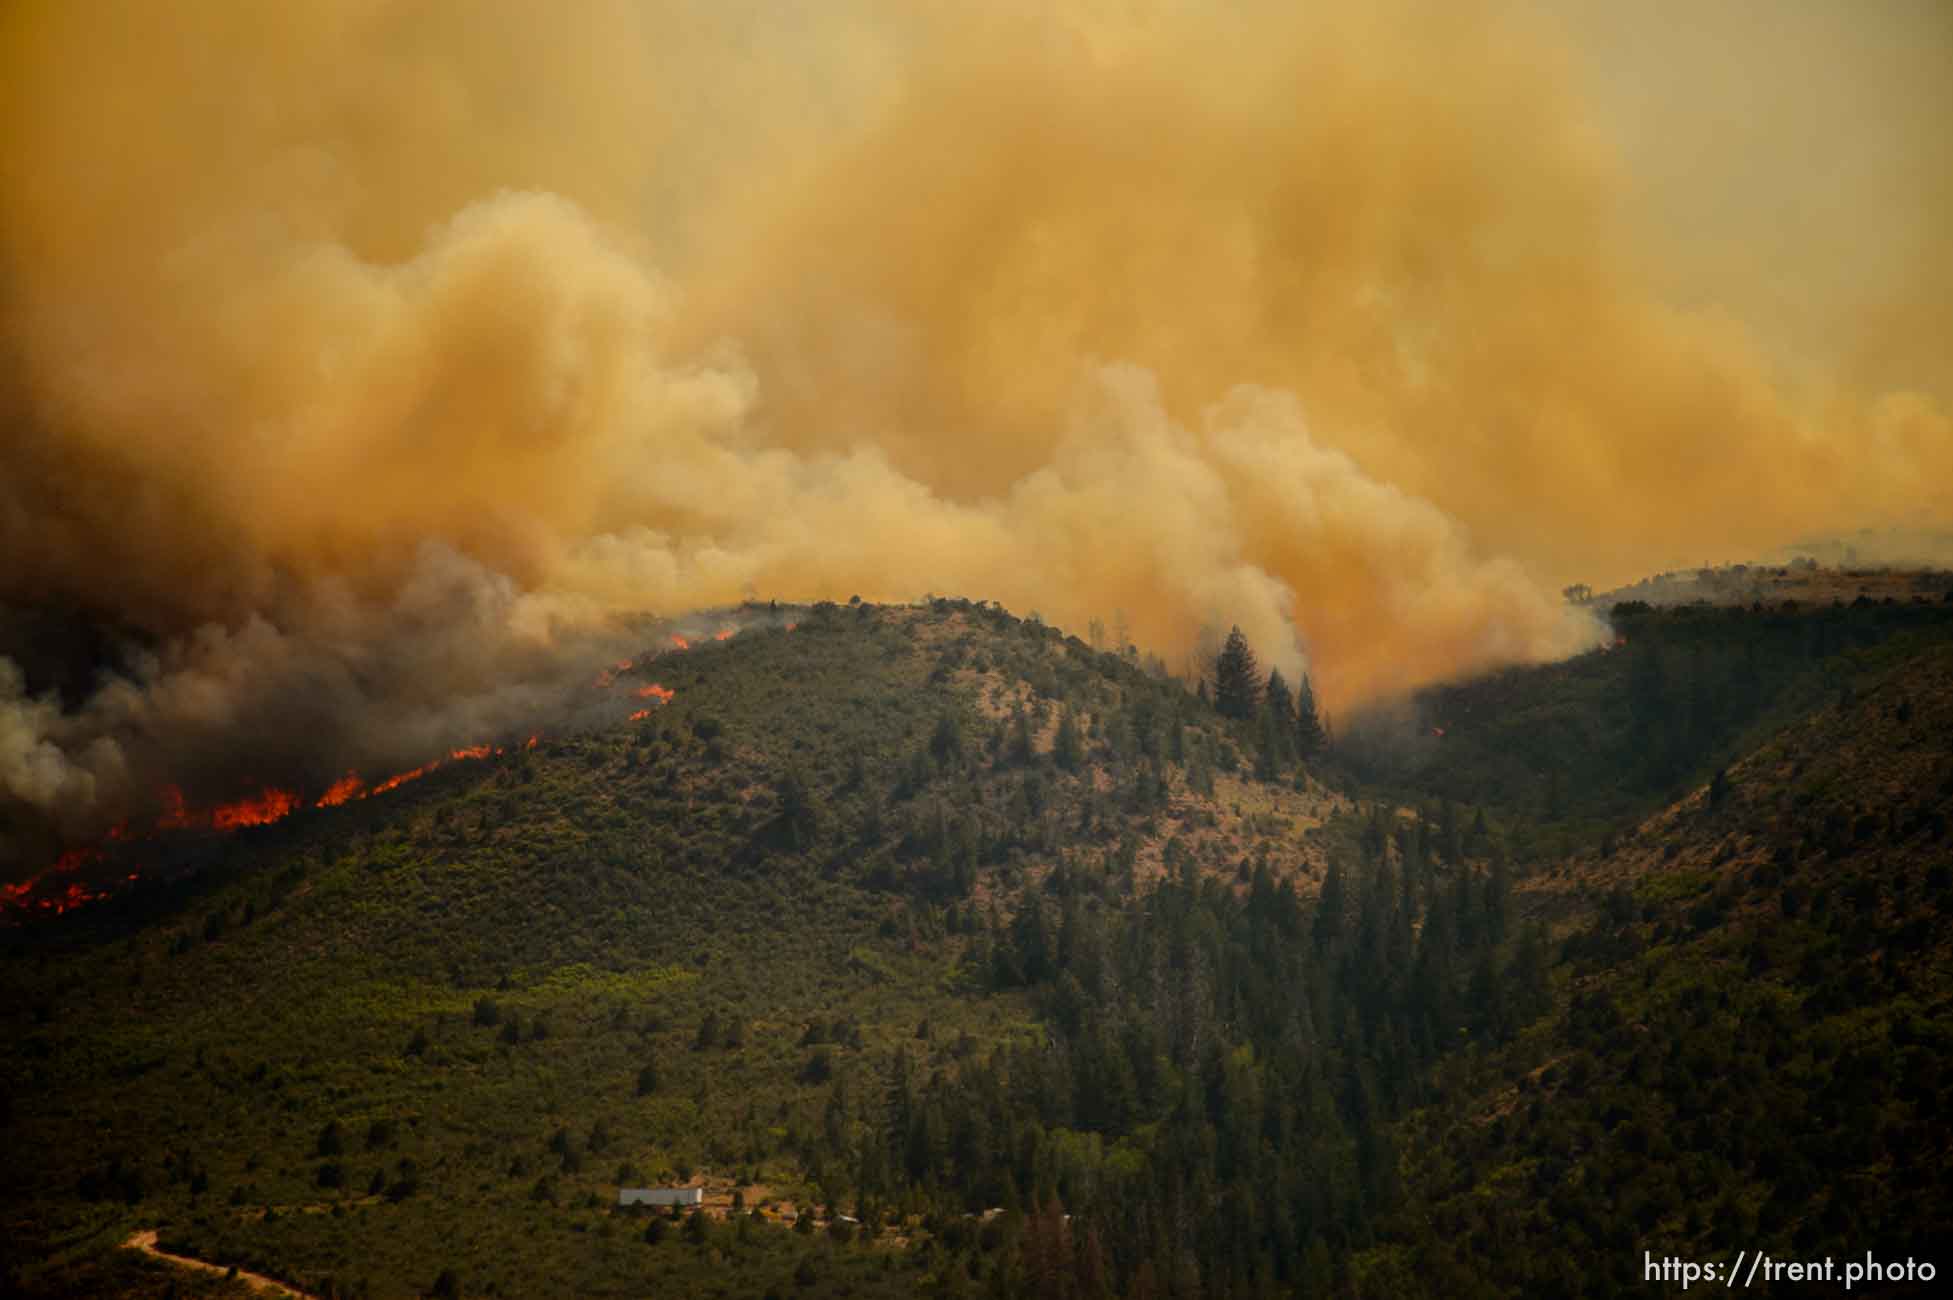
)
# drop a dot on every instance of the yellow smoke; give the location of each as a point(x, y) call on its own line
point(1364, 326)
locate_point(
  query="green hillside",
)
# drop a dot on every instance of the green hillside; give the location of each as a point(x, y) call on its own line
point(1753, 1046)
point(951, 956)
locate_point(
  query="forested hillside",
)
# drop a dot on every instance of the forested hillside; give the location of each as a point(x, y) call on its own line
point(950, 955)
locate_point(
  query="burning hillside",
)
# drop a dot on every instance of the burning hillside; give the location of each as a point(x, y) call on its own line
point(55, 890)
point(370, 369)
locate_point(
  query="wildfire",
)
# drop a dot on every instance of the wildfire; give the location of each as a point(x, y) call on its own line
point(399, 779)
point(471, 752)
point(663, 694)
point(15, 897)
point(640, 715)
point(68, 899)
point(261, 811)
point(346, 787)
point(268, 806)
point(680, 642)
point(608, 676)
point(724, 634)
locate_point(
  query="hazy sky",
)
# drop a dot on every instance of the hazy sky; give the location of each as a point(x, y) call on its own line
point(1364, 326)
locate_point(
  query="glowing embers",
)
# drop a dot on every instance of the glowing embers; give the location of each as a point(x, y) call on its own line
point(53, 904)
point(35, 898)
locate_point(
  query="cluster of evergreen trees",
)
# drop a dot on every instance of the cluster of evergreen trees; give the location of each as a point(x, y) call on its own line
point(1288, 726)
point(1223, 1069)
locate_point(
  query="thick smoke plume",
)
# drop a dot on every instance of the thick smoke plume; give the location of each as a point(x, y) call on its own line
point(375, 357)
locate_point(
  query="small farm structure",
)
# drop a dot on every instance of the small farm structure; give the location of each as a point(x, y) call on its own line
point(660, 1195)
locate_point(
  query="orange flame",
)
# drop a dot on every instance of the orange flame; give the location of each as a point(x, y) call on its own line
point(454, 755)
point(346, 787)
point(663, 694)
point(681, 642)
point(640, 715)
point(270, 805)
point(16, 896)
point(261, 811)
point(399, 779)
point(724, 634)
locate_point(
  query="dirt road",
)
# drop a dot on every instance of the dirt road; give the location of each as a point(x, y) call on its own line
point(145, 1242)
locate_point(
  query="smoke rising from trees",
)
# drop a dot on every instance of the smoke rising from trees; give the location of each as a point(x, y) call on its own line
point(1357, 326)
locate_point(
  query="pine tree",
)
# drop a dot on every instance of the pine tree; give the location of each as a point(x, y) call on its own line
point(1237, 678)
point(1276, 700)
point(1310, 734)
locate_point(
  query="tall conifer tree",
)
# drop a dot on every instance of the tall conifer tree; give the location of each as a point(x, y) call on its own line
point(1237, 678)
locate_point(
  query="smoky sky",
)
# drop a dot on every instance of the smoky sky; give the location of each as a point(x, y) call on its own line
point(374, 359)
